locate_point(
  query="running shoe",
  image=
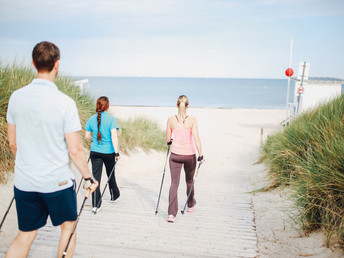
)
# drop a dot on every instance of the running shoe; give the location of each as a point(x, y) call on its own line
point(191, 209)
point(171, 218)
point(96, 210)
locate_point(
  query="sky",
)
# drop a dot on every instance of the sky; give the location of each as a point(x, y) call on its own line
point(178, 38)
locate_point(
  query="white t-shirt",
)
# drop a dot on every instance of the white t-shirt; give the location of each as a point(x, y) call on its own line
point(42, 115)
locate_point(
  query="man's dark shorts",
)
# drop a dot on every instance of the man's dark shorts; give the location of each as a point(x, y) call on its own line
point(33, 208)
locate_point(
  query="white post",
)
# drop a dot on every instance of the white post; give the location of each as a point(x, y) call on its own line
point(290, 58)
point(80, 84)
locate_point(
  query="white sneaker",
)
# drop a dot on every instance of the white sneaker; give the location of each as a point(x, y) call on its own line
point(171, 218)
point(96, 210)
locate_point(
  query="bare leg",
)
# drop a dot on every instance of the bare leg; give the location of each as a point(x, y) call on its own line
point(66, 231)
point(20, 247)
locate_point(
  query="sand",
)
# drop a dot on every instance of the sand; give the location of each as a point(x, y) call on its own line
point(231, 139)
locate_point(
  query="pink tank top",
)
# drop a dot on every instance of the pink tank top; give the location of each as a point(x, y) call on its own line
point(183, 143)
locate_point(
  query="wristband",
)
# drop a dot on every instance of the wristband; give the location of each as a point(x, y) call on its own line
point(89, 178)
point(88, 182)
point(200, 158)
point(117, 154)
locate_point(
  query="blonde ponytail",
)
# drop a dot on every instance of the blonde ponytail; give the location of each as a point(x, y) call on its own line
point(182, 104)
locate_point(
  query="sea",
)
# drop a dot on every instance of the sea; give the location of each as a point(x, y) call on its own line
point(201, 92)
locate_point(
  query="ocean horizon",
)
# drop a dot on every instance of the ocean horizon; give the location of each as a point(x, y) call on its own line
point(202, 92)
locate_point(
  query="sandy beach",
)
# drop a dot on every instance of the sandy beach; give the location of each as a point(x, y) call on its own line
point(231, 139)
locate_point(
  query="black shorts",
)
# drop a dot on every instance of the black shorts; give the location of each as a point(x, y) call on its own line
point(33, 208)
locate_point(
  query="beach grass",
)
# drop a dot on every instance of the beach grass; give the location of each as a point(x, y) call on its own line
point(138, 133)
point(308, 156)
point(12, 77)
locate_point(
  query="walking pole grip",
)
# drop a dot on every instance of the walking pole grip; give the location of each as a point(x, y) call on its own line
point(87, 193)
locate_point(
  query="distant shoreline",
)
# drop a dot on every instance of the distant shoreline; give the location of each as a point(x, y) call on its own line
point(238, 108)
point(178, 77)
point(202, 93)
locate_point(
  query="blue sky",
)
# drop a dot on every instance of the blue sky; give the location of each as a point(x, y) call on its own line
point(178, 38)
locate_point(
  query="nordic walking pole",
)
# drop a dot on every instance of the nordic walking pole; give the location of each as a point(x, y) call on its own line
point(101, 197)
point(8, 209)
point(76, 222)
point(187, 199)
point(82, 177)
point(163, 176)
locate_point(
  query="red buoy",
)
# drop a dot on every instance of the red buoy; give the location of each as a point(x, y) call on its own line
point(289, 72)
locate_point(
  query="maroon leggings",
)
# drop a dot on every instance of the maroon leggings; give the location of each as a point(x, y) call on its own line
point(176, 163)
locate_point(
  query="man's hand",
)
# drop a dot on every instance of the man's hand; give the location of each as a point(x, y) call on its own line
point(91, 184)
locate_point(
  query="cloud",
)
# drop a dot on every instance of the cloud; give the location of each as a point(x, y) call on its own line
point(220, 38)
point(78, 7)
point(305, 8)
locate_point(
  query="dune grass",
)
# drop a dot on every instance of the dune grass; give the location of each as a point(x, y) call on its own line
point(308, 156)
point(139, 133)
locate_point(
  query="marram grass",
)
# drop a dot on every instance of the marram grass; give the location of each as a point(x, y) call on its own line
point(308, 155)
point(139, 133)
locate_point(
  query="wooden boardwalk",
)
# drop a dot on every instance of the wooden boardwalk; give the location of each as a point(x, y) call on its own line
point(222, 224)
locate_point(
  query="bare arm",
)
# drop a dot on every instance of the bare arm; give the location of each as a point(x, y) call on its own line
point(114, 137)
point(88, 135)
point(168, 130)
point(196, 137)
point(77, 153)
point(11, 136)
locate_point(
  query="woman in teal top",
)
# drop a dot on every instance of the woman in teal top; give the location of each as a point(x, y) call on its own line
point(101, 129)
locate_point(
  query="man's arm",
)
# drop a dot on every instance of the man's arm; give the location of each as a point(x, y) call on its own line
point(11, 136)
point(77, 153)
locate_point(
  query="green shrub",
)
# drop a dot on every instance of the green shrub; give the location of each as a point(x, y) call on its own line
point(308, 155)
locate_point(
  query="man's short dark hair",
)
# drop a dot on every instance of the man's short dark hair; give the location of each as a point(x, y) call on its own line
point(44, 56)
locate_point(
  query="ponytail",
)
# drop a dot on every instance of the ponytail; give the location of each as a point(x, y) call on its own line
point(182, 111)
point(182, 104)
point(102, 105)
point(99, 135)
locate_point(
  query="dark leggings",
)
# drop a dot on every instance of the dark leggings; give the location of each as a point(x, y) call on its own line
point(176, 163)
point(98, 159)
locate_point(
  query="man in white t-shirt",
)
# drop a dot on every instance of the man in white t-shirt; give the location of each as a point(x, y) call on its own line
point(43, 131)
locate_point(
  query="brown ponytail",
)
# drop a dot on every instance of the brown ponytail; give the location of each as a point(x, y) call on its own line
point(102, 105)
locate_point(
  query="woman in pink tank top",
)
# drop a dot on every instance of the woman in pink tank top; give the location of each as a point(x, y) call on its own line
point(185, 143)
